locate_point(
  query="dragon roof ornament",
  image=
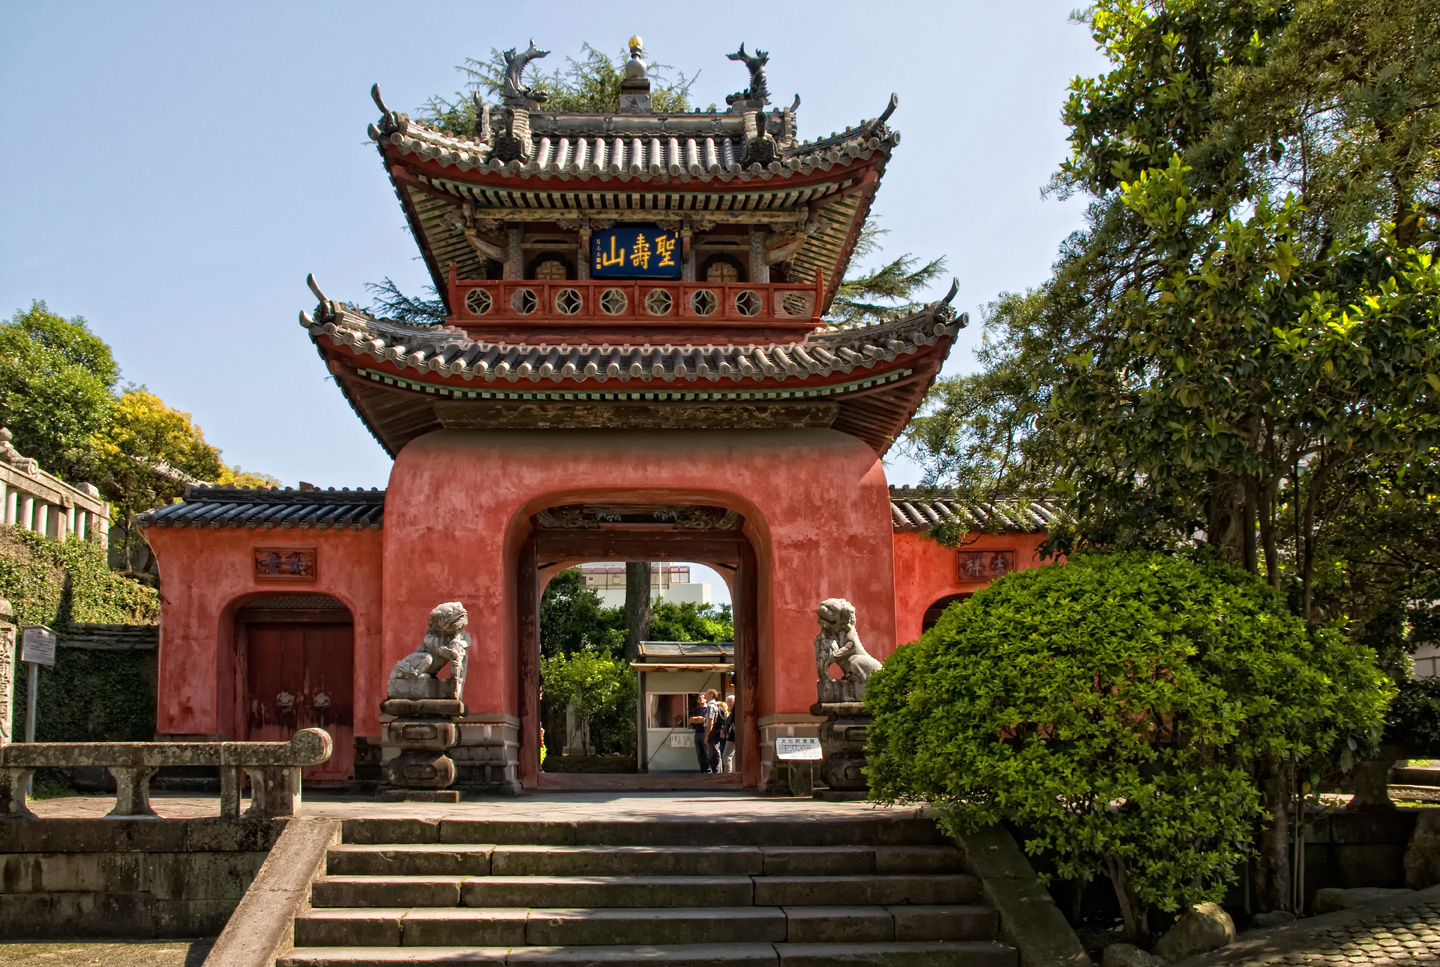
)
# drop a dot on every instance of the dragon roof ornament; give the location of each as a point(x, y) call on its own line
point(757, 95)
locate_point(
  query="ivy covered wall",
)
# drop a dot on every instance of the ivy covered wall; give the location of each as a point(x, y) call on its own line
point(88, 695)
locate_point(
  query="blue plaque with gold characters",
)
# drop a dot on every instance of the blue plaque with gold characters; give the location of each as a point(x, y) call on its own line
point(635, 253)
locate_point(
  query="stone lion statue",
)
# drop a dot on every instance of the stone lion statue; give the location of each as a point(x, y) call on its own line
point(446, 643)
point(838, 644)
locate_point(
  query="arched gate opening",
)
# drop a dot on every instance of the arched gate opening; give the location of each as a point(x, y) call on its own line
point(569, 534)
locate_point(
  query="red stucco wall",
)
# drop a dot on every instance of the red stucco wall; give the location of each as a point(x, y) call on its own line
point(206, 575)
point(926, 571)
point(815, 502)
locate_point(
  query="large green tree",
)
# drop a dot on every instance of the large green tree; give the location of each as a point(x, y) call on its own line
point(57, 381)
point(1241, 349)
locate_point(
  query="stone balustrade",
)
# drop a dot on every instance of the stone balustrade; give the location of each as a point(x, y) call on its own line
point(38, 501)
point(273, 767)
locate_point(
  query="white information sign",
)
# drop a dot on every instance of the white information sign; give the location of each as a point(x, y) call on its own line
point(682, 740)
point(37, 645)
point(797, 747)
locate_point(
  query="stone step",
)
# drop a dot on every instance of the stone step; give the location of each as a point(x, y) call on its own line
point(643, 891)
point(974, 953)
point(512, 926)
point(868, 831)
point(437, 859)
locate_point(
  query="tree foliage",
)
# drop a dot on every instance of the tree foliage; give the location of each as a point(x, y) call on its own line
point(56, 384)
point(1241, 347)
point(573, 619)
point(886, 291)
point(1116, 709)
point(603, 689)
point(589, 85)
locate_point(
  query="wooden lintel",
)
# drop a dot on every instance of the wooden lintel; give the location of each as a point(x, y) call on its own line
point(706, 547)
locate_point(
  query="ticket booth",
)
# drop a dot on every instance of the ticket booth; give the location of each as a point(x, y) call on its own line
point(672, 677)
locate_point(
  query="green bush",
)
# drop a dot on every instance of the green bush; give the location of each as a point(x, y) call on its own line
point(604, 692)
point(1113, 709)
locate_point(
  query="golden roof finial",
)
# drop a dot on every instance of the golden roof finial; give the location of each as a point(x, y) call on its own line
point(636, 43)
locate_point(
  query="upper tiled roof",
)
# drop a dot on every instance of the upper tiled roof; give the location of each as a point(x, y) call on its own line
point(236, 507)
point(681, 148)
point(919, 509)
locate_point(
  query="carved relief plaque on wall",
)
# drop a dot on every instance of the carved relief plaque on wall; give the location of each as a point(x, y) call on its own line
point(285, 564)
point(984, 565)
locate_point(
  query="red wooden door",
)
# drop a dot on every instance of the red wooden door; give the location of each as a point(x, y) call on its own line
point(300, 675)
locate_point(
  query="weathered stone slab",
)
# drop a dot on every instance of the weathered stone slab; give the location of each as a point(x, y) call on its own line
point(686, 925)
point(462, 927)
point(388, 831)
point(626, 860)
point(950, 888)
point(818, 860)
point(382, 891)
point(375, 927)
point(918, 859)
point(975, 953)
point(606, 891)
point(429, 859)
point(848, 925)
point(507, 832)
point(677, 955)
point(405, 707)
point(945, 922)
point(388, 956)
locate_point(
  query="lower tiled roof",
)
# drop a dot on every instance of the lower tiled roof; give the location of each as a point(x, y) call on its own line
point(236, 507)
point(919, 509)
point(911, 509)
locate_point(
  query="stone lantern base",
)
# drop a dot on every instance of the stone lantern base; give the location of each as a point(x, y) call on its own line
point(842, 741)
point(418, 732)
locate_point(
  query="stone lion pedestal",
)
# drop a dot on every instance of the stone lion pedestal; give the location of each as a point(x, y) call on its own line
point(842, 702)
point(421, 713)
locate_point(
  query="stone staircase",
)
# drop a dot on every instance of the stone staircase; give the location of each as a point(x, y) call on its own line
point(877, 891)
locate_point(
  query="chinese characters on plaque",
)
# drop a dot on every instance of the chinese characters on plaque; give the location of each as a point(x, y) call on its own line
point(635, 253)
point(985, 565)
point(285, 563)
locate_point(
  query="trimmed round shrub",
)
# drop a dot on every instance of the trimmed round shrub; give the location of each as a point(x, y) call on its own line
point(1113, 709)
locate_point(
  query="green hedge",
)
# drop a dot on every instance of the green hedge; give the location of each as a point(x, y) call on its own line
point(88, 695)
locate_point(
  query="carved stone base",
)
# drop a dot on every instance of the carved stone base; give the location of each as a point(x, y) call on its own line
point(837, 691)
point(392, 794)
point(842, 743)
point(420, 770)
point(416, 734)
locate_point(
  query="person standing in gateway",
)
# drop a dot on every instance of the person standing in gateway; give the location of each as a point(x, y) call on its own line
point(700, 719)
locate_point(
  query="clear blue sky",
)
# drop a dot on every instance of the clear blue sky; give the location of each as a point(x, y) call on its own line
point(173, 170)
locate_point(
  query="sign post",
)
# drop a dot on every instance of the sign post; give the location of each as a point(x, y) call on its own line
point(37, 647)
point(7, 670)
point(802, 752)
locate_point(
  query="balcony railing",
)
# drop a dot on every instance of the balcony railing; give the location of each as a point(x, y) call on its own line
point(626, 303)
